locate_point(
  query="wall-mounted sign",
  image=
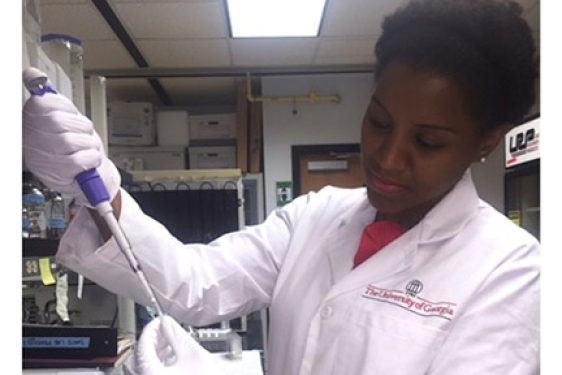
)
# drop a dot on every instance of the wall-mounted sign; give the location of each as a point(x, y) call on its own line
point(522, 143)
point(284, 192)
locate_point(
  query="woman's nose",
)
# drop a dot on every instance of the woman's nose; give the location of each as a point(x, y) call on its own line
point(392, 153)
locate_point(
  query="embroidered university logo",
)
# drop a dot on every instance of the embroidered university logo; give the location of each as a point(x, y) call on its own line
point(414, 287)
point(410, 301)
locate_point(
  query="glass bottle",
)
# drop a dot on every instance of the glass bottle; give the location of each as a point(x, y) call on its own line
point(57, 216)
point(25, 223)
point(34, 203)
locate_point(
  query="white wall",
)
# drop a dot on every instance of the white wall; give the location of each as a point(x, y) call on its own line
point(314, 123)
point(489, 177)
point(325, 122)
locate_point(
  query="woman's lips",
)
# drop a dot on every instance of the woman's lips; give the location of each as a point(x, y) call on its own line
point(385, 186)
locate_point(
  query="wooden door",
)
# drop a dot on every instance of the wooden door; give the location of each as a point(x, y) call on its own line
point(317, 166)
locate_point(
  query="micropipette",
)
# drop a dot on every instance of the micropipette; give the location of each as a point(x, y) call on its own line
point(37, 83)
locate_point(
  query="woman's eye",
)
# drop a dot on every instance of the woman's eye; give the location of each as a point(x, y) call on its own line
point(427, 144)
point(379, 124)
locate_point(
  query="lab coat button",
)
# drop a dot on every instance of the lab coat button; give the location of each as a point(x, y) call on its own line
point(326, 312)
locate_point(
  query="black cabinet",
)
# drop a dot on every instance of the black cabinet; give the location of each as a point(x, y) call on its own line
point(39, 247)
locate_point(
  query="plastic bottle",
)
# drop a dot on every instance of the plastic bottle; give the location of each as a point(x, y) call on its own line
point(34, 203)
point(57, 216)
point(25, 223)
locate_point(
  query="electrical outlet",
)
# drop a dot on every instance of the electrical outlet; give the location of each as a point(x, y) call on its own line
point(31, 270)
point(30, 267)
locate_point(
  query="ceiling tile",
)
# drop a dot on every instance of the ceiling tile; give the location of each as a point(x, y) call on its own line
point(200, 91)
point(273, 51)
point(106, 55)
point(346, 47)
point(85, 23)
point(173, 20)
point(344, 60)
point(356, 17)
point(185, 53)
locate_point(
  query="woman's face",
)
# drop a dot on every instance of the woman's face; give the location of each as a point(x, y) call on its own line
point(417, 140)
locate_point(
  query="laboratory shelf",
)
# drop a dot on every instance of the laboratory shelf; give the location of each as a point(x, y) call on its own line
point(39, 247)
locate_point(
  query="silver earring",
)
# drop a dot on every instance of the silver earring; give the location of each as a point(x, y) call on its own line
point(483, 159)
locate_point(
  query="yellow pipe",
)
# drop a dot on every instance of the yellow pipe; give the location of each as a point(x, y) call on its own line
point(312, 97)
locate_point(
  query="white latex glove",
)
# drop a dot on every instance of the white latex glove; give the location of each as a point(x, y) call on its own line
point(164, 336)
point(59, 143)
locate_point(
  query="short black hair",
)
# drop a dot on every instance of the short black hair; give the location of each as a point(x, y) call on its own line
point(484, 45)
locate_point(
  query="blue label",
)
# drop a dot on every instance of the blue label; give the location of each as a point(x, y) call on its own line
point(56, 342)
point(33, 198)
point(57, 223)
point(25, 223)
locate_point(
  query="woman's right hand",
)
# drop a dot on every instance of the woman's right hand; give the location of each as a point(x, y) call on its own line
point(59, 143)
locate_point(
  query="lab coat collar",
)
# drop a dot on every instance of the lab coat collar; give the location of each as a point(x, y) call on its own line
point(443, 221)
point(449, 216)
point(344, 242)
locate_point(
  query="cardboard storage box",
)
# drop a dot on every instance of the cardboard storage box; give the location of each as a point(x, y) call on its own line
point(212, 157)
point(172, 128)
point(219, 126)
point(148, 158)
point(130, 124)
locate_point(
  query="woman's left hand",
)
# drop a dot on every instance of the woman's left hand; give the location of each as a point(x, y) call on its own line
point(166, 348)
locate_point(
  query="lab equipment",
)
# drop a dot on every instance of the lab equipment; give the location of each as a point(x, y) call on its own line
point(63, 342)
point(91, 184)
point(220, 340)
point(56, 224)
point(34, 205)
point(25, 223)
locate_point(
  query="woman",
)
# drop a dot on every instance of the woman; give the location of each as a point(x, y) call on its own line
point(455, 287)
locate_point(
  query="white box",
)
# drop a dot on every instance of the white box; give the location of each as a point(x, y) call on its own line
point(212, 157)
point(219, 126)
point(148, 158)
point(63, 84)
point(32, 19)
point(39, 59)
point(172, 128)
point(130, 124)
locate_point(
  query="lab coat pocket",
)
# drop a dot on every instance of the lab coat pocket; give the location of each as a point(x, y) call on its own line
point(383, 343)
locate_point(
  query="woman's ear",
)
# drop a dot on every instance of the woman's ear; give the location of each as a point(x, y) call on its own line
point(491, 139)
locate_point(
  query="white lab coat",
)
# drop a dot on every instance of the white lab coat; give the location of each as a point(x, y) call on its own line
point(457, 294)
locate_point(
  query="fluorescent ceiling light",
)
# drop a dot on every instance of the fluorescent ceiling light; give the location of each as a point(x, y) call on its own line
point(275, 18)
